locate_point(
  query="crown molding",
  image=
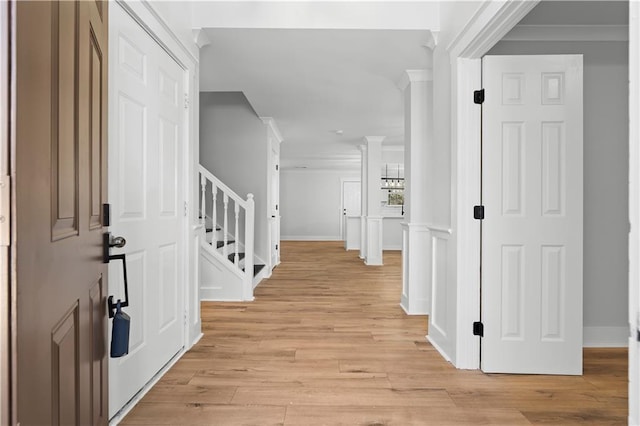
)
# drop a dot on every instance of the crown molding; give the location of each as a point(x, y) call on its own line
point(200, 37)
point(393, 148)
point(433, 40)
point(568, 33)
point(269, 121)
point(491, 21)
point(374, 139)
point(414, 76)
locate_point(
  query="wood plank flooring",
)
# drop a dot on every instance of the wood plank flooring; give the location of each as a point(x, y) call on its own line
point(326, 343)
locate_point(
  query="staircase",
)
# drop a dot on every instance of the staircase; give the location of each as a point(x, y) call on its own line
point(229, 268)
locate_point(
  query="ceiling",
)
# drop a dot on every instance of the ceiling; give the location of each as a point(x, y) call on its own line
point(316, 82)
point(335, 82)
point(573, 12)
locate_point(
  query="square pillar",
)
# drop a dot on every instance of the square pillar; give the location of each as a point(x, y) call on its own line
point(417, 87)
point(373, 255)
point(363, 202)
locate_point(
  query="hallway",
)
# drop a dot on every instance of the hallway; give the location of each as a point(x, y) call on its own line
point(326, 342)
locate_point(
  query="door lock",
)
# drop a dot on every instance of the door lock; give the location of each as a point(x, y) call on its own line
point(107, 242)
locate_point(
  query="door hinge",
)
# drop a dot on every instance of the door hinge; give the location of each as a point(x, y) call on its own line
point(277, 167)
point(478, 329)
point(186, 209)
point(276, 247)
point(478, 212)
point(478, 97)
point(186, 101)
point(5, 209)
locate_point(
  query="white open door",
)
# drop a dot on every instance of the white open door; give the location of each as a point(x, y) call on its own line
point(146, 148)
point(532, 231)
point(634, 212)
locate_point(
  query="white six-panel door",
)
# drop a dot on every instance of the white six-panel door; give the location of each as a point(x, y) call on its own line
point(634, 213)
point(274, 207)
point(532, 231)
point(351, 203)
point(145, 179)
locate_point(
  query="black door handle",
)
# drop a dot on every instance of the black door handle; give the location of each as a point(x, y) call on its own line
point(107, 243)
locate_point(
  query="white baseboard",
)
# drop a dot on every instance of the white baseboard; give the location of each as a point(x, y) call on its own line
point(310, 238)
point(117, 418)
point(605, 337)
point(439, 349)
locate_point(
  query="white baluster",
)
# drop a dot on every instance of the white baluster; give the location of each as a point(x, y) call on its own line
point(203, 206)
point(214, 213)
point(237, 212)
point(225, 227)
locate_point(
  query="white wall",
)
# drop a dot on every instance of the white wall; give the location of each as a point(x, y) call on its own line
point(443, 167)
point(233, 146)
point(311, 203)
point(606, 194)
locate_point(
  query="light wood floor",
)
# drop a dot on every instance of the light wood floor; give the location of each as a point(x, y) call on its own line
point(326, 343)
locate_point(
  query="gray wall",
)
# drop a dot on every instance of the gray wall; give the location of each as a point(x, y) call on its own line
point(233, 146)
point(311, 203)
point(606, 160)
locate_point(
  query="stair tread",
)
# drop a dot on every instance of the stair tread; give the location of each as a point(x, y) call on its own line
point(256, 269)
point(211, 229)
point(221, 243)
point(232, 256)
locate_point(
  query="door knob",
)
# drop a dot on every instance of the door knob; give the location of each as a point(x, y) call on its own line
point(117, 242)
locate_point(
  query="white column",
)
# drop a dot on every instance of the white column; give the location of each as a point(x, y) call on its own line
point(417, 87)
point(363, 202)
point(373, 255)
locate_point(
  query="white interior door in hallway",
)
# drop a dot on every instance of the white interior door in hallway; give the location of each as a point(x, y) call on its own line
point(351, 203)
point(532, 236)
point(274, 220)
point(146, 149)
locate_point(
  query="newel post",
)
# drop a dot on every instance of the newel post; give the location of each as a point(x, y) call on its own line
point(249, 231)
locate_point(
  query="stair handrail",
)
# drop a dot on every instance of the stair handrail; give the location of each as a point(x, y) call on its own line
point(225, 189)
point(249, 226)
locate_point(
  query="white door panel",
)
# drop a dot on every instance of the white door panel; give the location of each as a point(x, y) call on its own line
point(532, 231)
point(634, 213)
point(145, 169)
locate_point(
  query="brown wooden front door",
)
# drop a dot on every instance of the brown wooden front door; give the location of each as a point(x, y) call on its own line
point(60, 186)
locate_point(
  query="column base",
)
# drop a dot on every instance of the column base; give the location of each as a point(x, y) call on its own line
point(416, 269)
point(373, 256)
